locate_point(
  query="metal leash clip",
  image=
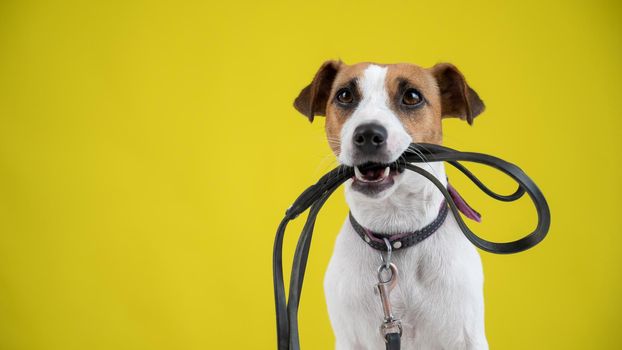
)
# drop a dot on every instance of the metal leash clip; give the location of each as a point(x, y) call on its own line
point(384, 287)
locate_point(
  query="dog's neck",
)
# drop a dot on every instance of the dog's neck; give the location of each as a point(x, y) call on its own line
point(413, 204)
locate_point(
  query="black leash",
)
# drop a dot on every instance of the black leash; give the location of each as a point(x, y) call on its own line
point(316, 195)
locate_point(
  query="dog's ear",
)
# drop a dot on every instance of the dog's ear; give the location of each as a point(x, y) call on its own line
point(457, 98)
point(312, 99)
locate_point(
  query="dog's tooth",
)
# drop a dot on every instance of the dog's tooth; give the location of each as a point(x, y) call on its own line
point(387, 170)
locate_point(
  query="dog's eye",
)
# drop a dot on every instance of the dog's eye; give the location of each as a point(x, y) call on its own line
point(412, 97)
point(345, 96)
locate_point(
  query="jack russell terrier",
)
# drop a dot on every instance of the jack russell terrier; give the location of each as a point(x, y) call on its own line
point(373, 113)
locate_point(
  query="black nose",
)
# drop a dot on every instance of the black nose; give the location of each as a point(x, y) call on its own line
point(369, 137)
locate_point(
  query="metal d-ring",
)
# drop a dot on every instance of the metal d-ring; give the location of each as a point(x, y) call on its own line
point(387, 265)
point(386, 260)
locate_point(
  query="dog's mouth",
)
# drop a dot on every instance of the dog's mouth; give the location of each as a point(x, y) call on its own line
point(372, 172)
point(372, 178)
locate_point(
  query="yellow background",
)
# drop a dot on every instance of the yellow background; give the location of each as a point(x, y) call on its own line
point(149, 149)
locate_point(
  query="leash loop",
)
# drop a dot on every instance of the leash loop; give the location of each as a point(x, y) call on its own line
point(316, 195)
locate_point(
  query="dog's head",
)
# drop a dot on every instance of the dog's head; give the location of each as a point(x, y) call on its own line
point(373, 112)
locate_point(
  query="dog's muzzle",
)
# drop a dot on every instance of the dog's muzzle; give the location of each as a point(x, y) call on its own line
point(372, 171)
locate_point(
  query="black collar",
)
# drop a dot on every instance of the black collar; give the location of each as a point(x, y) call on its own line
point(400, 240)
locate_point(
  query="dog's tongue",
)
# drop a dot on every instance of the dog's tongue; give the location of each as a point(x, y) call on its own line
point(373, 174)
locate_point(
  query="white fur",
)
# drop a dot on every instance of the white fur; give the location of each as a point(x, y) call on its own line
point(439, 295)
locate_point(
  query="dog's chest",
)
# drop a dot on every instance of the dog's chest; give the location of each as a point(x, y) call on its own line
point(438, 296)
point(434, 276)
point(351, 279)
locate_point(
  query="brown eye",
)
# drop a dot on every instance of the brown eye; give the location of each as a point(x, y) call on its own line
point(345, 96)
point(412, 97)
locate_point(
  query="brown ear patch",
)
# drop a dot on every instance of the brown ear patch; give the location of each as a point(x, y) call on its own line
point(458, 99)
point(313, 98)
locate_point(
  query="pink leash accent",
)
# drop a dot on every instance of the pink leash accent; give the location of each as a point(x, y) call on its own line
point(462, 205)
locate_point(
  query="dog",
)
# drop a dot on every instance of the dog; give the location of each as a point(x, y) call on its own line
point(373, 113)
